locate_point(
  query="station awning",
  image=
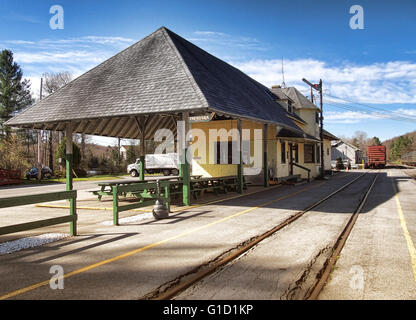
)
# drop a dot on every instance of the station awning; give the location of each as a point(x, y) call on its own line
point(159, 78)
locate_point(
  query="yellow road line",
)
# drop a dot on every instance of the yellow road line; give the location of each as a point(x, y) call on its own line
point(155, 244)
point(409, 241)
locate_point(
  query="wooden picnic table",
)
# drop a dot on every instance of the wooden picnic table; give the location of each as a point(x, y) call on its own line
point(149, 190)
point(106, 186)
point(216, 184)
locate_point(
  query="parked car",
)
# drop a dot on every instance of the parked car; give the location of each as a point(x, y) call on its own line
point(156, 163)
point(32, 173)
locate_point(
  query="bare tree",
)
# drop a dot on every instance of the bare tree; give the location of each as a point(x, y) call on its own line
point(52, 83)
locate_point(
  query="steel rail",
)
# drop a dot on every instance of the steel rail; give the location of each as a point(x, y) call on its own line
point(339, 244)
point(178, 287)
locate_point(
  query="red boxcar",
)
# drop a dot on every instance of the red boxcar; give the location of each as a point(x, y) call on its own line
point(376, 156)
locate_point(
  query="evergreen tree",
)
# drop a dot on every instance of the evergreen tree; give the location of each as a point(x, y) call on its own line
point(401, 146)
point(14, 91)
point(376, 141)
point(132, 154)
point(76, 154)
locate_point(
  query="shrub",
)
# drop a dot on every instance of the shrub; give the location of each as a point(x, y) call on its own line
point(340, 164)
point(13, 153)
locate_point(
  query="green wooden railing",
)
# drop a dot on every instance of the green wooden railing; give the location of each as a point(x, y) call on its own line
point(40, 198)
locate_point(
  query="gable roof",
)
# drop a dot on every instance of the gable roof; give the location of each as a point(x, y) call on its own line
point(300, 101)
point(328, 135)
point(161, 74)
point(283, 99)
point(278, 90)
point(337, 143)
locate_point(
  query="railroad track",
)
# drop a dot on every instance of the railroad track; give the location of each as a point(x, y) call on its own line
point(172, 289)
point(336, 250)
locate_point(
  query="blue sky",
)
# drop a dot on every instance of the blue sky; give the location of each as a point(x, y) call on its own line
point(375, 66)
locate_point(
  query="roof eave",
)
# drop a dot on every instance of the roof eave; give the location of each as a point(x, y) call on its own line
point(256, 119)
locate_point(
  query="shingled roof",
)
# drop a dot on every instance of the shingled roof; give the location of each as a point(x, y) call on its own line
point(163, 75)
point(300, 101)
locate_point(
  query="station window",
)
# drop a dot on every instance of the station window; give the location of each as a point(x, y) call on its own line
point(309, 154)
point(222, 157)
point(289, 107)
point(283, 151)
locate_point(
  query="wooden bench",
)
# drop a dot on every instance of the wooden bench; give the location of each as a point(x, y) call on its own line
point(216, 184)
point(106, 187)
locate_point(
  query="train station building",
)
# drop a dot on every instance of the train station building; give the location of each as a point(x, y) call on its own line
point(164, 82)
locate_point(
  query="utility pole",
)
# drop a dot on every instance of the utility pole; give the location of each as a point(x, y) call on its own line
point(118, 152)
point(318, 87)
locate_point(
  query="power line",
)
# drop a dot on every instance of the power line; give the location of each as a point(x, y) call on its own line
point(389, 115)
point(372, 107)
point(373, 114)
point(378, 112)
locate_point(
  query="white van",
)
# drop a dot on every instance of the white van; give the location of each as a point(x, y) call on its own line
point(157, 163)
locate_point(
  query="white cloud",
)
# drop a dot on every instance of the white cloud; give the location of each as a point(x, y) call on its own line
point(345, 117)
point(349, 117)
point(209, 33)
point(75, 55)
point(213, 40)
point(389, 82)
point(407, 112)
point(58, 57)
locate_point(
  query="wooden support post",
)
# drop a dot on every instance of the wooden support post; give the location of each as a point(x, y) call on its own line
point(141, 125)
point(186, 186)
point(142, 167)
point(69, 186)
point(167, 196)
point(240, 178)
point(115, 206)
point(265, 162)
